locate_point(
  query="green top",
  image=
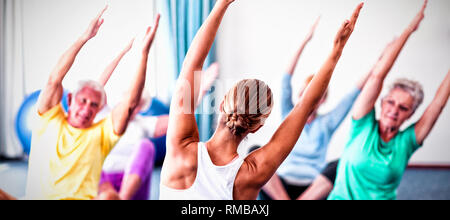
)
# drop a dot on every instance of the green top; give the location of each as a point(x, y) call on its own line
point(371, 168)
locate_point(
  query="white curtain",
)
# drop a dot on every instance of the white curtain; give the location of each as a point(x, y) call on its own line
point(12, 84)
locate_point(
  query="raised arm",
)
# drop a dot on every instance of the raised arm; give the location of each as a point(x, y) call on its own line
point(298, 54)
point(122, 113)
point(369, 95)
point(363, 80)
point(434, 110)
point(269, 158)
point(183, 129)
point(106, 75)
point(52, 93)
point(286, 88)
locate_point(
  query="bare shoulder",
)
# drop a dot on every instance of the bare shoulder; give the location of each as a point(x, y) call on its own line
point(247, 183)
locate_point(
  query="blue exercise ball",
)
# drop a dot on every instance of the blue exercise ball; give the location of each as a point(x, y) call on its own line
point(65, 101)
point(25, 115)
point(157, 108)
point(160, 149)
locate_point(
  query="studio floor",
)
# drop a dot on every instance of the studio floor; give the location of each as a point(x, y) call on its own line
point(417, 184)
point(13, 177)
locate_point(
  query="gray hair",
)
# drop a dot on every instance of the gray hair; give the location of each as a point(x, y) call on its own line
point(96, 86)
point(413, 88)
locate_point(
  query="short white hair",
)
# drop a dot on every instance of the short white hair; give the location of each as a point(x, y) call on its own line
point(412, 87)
point(96, 86)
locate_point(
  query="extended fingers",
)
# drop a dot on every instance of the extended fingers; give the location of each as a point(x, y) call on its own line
point(156, 25)
point(344, 26)
point(419, 17)
point(422, 11)
point(129, 45)
point(157, 18)
point(424, 5)
point(316, 23)
point(149, 29)
point(153, 29)
point(151, 32)
point(356, 13)
point(343, 31)
point(100, 22)
point(101, 12)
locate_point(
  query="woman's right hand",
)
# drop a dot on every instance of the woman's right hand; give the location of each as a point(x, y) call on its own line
point(347, 28)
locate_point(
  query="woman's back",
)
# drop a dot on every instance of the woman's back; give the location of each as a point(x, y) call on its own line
point(211, 181)
point(243, 111)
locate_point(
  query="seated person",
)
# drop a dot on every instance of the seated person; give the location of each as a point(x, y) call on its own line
point(68, 151)
point(127, 170)
point(306, 162)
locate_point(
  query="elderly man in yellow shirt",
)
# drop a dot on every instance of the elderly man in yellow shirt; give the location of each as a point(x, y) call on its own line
point(68, 151)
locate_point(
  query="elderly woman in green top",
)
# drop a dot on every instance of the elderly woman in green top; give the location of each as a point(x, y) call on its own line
point(377, 154)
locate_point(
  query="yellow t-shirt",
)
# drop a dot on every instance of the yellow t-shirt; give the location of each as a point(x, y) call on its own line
point(66, 162)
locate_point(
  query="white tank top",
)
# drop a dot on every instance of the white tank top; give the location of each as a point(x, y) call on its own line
point(211, 183)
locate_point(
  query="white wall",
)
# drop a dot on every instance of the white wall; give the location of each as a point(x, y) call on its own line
point(258, 38)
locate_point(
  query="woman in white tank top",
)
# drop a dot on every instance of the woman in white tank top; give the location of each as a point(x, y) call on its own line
point(212, 182)
point(214, 170)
